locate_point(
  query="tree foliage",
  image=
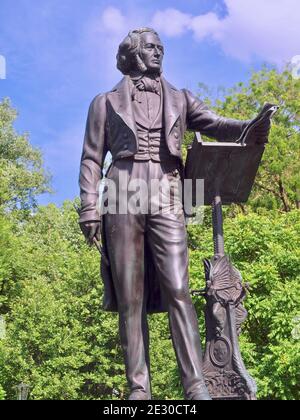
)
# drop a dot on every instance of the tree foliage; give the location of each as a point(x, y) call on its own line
point(61, 342)
point(22, 175)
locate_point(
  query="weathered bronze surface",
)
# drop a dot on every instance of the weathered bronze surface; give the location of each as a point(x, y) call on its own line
point(142, 122)
point(228, 168)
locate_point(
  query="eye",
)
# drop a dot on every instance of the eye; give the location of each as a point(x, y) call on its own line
point(153, 46)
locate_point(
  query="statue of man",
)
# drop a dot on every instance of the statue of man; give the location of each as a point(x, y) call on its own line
point(141, 122)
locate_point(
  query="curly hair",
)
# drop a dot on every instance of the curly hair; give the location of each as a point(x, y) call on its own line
point(128, 57)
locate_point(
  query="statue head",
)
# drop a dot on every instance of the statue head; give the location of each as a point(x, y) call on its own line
point(141, 51)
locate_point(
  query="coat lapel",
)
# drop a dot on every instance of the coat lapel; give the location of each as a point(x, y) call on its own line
point(120, 99)
point(171, 105)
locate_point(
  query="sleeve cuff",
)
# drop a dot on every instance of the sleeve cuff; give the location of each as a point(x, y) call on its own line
point(89, 216)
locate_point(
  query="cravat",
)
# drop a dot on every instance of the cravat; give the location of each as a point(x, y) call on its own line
point(145, 84)
point(149, 85)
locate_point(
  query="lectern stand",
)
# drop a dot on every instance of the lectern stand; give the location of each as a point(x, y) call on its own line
point(228, 170)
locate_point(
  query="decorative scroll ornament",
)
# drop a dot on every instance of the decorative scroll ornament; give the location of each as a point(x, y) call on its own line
point(225, 373)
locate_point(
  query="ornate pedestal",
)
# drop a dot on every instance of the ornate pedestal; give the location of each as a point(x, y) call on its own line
point(229, 171)
point(225, 373)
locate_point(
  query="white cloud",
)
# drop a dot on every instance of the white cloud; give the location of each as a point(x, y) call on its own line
point(113, 21)
point(268, 30)
point(102, 37)
point(173, 22)
point(205, 25)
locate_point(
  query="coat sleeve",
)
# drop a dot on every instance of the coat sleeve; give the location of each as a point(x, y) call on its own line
point(93, 156)
point(201, 118)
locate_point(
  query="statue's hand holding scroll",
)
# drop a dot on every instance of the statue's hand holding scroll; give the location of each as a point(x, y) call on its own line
point(257, 131)
point(261, 132)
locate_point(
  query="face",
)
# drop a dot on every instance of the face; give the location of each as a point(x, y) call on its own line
point(152, 52)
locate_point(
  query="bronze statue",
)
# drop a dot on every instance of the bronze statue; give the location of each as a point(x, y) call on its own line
point(144, 262)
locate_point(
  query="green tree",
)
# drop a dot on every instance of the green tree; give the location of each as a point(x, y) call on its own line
point(22, 175)
point(61, 342)
point(58, 339)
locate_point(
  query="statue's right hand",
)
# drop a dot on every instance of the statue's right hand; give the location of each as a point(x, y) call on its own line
point(91, 230)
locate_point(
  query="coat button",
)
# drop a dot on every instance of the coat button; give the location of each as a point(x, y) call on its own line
point(176, 135)
point(125, 146)
point(125, 135)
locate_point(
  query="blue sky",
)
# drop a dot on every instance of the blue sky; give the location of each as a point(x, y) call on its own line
point(61, 53)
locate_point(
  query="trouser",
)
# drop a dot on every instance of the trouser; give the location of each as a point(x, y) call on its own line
point(165, 234)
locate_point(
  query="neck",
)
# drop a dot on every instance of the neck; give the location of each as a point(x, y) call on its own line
point(136, 74)
point(152, 74)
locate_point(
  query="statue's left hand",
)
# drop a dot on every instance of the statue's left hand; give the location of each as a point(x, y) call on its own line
point(262, 131)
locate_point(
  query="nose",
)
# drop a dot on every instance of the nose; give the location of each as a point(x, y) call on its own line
point(157, 52)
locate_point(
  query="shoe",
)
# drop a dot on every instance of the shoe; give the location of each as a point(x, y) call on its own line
point(201, 396)
point(200, 393)
point(139, 396)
